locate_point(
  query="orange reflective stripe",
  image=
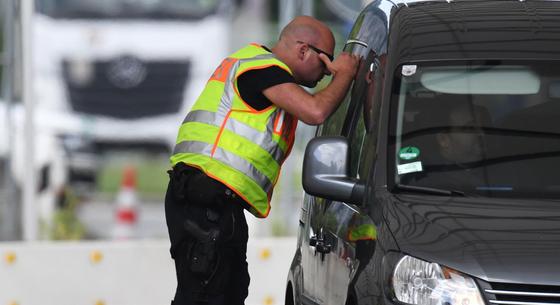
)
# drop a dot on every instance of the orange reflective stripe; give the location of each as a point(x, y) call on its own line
point(279, 122)
point(209, 174)
point(220, 133)
point(221, 73)
point(291, 135)
point(230, 187)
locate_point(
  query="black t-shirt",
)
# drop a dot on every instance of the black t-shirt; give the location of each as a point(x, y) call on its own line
point(252, 83)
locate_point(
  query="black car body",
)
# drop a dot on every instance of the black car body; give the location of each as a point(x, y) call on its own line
point(437, 180)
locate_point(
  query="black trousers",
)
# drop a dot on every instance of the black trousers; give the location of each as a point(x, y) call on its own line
point(194, 196)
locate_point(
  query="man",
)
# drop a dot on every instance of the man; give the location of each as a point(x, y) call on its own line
point(459, 146)
point(230, 149)
point(453, 156)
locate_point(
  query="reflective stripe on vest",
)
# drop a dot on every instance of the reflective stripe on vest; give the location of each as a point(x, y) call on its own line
point(264, 138)
point(232, 142)
point(230, 159)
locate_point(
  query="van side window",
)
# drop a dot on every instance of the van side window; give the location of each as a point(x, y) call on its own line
point(343, 121)
point(363, 147)
point(333, 125)
point(356, 138)
point(362, 140)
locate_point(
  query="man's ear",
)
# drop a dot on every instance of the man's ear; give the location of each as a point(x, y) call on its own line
point(301, 51)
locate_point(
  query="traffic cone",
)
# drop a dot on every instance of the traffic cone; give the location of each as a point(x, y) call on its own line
point(126, 212)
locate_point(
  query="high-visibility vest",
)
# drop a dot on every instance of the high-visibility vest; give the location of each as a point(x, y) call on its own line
point(233, 143)
point(366, 231)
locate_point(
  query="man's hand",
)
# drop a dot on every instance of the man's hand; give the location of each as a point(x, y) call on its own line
point(345, 64)
point(313, 109)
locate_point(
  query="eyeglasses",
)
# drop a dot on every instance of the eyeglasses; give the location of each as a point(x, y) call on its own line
point(319, 51)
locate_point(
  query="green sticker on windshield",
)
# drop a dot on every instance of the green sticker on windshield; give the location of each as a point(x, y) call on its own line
point(409, 153)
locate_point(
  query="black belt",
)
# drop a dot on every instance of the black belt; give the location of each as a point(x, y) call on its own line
point(183, 173)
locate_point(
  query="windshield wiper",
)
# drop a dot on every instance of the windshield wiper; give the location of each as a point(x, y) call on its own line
point(428, 190)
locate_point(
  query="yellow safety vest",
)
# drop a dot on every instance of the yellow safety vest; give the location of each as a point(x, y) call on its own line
point(233, 143)
point(362, 232)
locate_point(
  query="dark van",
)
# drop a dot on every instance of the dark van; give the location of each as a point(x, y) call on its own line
point(437, 182)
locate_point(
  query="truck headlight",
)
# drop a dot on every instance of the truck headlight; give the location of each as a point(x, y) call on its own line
point(419, 282)
point(80, 72)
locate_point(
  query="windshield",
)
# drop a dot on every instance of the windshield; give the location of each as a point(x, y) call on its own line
point(159, 9)
point(485, 128)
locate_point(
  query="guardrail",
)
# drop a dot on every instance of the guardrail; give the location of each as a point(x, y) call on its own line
point(122, 272)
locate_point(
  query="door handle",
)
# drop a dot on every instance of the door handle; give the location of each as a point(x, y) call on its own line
point(313, 241)
point(323, 248)
point(320, 245)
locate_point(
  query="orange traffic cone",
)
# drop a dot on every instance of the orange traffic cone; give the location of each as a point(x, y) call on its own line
point(126, 214)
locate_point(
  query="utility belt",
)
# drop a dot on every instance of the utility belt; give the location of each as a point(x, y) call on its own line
point(200, 189)
point(211, 211)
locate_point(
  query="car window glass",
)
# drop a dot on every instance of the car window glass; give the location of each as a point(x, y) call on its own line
point(368, 155)
point(363, 91)
point(481, 128)
point(333, 125)
point(343, 120)
point(356, 144)
point(363, 150)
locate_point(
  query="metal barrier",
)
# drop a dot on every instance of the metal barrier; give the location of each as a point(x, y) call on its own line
point(123, 272)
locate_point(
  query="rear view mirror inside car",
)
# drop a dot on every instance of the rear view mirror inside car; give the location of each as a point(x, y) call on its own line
point(480, 80)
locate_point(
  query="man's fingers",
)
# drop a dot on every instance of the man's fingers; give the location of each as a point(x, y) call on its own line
point(345, 61)
point(326, 60)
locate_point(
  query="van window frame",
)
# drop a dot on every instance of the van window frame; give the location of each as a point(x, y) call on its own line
point(394, 104)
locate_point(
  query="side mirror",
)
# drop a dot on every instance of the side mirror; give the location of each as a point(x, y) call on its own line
point(325, 171)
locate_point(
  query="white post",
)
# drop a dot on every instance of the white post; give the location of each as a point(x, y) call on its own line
point(291, 8)
point(30, 220)
point(10, 228)
point(307, 8)
point(286, 11)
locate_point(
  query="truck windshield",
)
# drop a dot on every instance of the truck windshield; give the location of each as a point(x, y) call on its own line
point(152, 9)
point(479, 128)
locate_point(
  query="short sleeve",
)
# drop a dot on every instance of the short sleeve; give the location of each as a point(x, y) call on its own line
point(252, 83)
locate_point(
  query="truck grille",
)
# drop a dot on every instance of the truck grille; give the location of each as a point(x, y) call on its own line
point(126, 87)
point(520, 294)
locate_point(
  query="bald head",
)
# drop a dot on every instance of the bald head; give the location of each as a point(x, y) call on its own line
point(307, 29)
point(299, 45)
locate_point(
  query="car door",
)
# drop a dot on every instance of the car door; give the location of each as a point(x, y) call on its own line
point(327, 222)
point(312, 208)
point(313, 211)
point(328, 226)
point(339, 222)
point(329, 258)
point(338, 225)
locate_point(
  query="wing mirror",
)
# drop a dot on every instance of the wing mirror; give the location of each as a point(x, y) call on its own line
point(325, 171)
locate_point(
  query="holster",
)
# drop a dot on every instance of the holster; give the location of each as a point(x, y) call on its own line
point(203, 250)
point(209, 221)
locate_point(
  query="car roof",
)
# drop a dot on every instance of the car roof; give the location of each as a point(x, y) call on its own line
point(408, 2)
point(499, 29)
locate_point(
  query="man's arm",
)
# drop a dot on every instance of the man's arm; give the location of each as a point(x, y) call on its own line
point(313, 109)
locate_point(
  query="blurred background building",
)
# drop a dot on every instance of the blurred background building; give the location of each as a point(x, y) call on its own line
point(86, 133)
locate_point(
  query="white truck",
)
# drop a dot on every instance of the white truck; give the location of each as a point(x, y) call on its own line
point(123, 73)
point(49, 166)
